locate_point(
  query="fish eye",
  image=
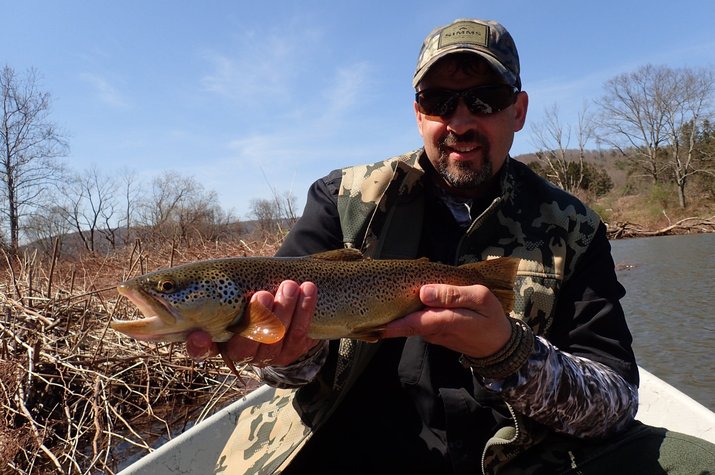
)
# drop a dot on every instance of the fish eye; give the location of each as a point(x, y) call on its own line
point(166, 285)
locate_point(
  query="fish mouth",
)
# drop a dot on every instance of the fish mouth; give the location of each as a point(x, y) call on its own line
point(159, 317)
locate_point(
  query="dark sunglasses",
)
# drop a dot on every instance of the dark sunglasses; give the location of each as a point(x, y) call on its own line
point(480, 100)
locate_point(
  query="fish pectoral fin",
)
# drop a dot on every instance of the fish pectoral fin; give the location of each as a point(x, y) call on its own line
point(259, 324)
point(339, 255)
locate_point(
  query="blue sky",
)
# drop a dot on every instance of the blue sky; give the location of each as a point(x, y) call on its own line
point(249, 96)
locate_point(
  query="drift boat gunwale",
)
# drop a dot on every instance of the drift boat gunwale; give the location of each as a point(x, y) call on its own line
point(201, 447)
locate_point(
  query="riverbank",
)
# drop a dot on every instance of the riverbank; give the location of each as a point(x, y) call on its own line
point(646, 215)
point(78, 397)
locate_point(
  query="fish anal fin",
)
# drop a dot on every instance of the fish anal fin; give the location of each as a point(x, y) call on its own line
point(259, 324)
point(339, 255)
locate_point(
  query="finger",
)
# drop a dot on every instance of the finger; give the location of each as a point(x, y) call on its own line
point(303, 315)
point(300, 303)
point(283, 306)
point(473, 297)
point(424, 323)
point(239, 349)
point(199, 345)
point(286, 300)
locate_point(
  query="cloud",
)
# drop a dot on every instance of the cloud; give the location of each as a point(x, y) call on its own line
point(261, 65)
point(349, 84)
point(323, 122)
point(105, 91)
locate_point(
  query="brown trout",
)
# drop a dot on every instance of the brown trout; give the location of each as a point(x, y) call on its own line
point(357, 296)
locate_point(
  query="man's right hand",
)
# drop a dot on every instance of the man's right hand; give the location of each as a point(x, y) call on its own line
point(293, 304)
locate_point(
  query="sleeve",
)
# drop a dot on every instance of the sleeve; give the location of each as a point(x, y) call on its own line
point(317, 230)
point(300, 373)
point(583, 380)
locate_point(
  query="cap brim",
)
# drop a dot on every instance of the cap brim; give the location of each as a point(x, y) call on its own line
point(507, 75)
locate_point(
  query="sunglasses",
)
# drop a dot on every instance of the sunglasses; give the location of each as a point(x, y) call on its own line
point(480, 100)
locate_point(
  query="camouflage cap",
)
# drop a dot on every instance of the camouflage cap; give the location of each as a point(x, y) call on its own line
point(486, 38)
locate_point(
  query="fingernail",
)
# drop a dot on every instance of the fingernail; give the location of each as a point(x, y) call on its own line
point(289, 290)
point(429, 294)
point(309, 290)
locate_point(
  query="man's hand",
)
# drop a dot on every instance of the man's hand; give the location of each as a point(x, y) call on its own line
point(468, 320)
point(293, 304)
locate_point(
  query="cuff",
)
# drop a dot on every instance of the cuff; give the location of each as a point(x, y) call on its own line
point(507, 360)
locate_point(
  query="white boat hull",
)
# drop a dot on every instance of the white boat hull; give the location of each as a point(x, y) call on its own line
point(206, 444)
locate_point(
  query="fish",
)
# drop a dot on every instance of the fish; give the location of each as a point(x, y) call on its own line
point(357, 295)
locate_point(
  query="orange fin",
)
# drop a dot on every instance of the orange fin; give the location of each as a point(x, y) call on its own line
point(339, 255)
point(259, 324)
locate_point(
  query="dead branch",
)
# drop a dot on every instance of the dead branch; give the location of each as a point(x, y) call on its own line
point(684, 226)
point(76, 397)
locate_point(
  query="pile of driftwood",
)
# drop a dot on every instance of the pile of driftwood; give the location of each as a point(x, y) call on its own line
point(684, 226)
point(77, 397)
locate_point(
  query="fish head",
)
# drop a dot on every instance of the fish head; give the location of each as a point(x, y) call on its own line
point(176, 301)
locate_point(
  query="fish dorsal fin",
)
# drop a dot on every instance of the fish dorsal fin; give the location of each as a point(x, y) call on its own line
point(339, 255)
point(259, 324)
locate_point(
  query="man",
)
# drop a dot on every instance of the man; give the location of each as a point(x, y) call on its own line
point(460, 387)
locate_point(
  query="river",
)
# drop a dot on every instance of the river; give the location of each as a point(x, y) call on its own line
point(670, 307)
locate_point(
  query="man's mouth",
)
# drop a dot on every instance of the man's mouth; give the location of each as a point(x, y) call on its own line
point(459, 151)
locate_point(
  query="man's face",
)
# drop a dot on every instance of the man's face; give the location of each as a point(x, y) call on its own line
point(468, 149)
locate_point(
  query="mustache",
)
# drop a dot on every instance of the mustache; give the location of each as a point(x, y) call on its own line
point(451, 139)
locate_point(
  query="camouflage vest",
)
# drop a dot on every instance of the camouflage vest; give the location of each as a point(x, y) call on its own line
point(380, 207)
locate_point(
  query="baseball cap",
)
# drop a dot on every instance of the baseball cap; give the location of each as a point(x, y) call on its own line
point(487, 38)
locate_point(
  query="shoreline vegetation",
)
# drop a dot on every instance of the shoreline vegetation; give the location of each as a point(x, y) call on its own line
point(78, 397)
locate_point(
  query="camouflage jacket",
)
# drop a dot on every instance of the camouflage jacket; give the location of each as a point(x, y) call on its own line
point(588, 389)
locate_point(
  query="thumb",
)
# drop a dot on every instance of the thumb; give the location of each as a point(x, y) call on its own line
point(451, 296)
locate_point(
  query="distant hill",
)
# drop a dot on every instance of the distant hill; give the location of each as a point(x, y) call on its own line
point(609, 160)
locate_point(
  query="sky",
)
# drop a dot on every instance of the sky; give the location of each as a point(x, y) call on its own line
point(250, 98)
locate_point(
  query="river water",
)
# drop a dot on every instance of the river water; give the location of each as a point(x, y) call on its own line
point(670, 307)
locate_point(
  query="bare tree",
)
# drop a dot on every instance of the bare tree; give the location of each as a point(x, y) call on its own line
point(29, 147)
point(46, 225)
point(274, 217)
point(552, 140)
point(688, 110)
point(131, 192)
point(657, 112)
point(179, 208)
point(92, 206)
point(632, 116)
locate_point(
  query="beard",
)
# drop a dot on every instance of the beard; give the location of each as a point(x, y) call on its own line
point(464, 175)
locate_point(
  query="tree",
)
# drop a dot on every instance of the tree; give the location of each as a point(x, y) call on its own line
point(632, 116)
point(30, 145)
point(131, 191)
point(274, 217)
point(705, 157)
point(92, 207)
point(656, 112)
point(552, 140)
point(179, 208)
point(689, 109)
point(46, 225)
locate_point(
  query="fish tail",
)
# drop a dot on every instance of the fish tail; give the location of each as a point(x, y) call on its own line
point(498, 275)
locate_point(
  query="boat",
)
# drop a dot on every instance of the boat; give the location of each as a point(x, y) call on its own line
point(209, 443)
